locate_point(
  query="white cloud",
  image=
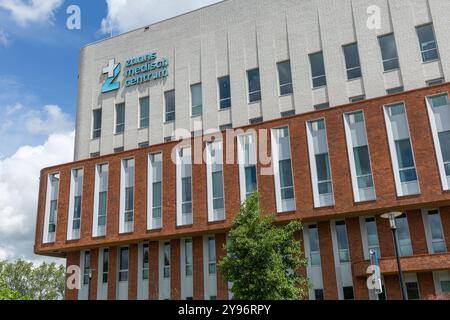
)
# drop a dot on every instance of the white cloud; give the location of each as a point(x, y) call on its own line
point(125, 15)
point(19, 185)
point(31, 11)
point(49, 120)
point(13, 109)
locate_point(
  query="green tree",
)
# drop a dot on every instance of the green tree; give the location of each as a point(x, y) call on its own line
point(21, 280)
point(262, 256)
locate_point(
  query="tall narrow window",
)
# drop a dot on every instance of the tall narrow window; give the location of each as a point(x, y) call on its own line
point(389, 52)
point(352, 62)
point(123, 264)
point(51, 211)
point(196, 99)
point(211, 255)
point(145, 262)
point(100, 200)
point(285, 77)
point(254, 85)
point(435, 232)
point(342, 242)
point(86, 267)
point(216, 203)
point(120, 118)
point(76, 192)
point(439, 113)
point(427, 42)
point(169, 98)
point(247, 165)
point(359, 158)
point(96, 123)
point(144, 112)
point(184, 186)
point(401, 150)
point(372, 235)
point(314, 254)
point(155, 191)
point(404, 239)
point(127, 196)
point(224, 92)
point(188, 257)
point(166, 266)
point(319, 78)
point(320, 164)
point(105, 265)
point(284, 182)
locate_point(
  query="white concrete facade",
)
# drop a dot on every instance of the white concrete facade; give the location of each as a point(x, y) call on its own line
point(234, 36)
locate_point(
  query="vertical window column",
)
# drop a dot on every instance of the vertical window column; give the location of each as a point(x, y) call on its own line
point(285, 78)
point(352, 62)
point(187, 272)
point(169, 98)
point(51, 208)
point(319, 78)
point(359, 158)
point(216, 203)
point(210, 279)
point(127, 196)
point(224, 93)
point(434, 231)
point(154, 218)
point(342, 260)
point(401, 150)
point(184, 186)
point(282, 165)
point(439, 112)
point(144, 113)
point(320, 164)
point(427, 42)
point(389, 52)
point(100, 200)
point(254, 86)
point(196, 100)
point(76, 194)
point(96, 123)
point(120, 118)
point(369, 236)
point(247, 165)
point(403, 235)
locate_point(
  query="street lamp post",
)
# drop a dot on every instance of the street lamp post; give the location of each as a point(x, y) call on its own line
point(391, 217)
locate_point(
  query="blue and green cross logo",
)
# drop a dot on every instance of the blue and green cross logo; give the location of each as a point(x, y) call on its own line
point(113, 71)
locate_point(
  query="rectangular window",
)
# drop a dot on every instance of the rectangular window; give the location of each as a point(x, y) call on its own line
point(359, 158)
point(401, 150)
point(184, 187)
point(76, 201)
point(127, 194)
point(169, 98)
point(321, 106)
point(439, 112)
point(224, 92)
point(254, 85)
point(51, 207)
point(166, 267)
point(120, 118)
point(348, 293)
point(435, 82)
point(105, 265)
point(145, 262)
point(357, 98)
point(188, 257)
point(389, 52)
point(144, 112)
point(435, 232)
point(404, 239)
point(319, 78)
point(342, 242)
point(86, 267)
point(352, 62)
point(96, 123)
point(285, 77)
point(372, 236)
point(395, 90)
point(247, 165)
point(123, 264)
point(101, 200)
point(284, 182)
point(412, 290)
point(196, 100)
point(320, 164)
point(155, 191)
point(427, 42)
point(318, 294)
point(313, 236)
point(211, 256)
point(216, 202)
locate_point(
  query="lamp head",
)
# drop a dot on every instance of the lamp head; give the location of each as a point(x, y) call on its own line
point(391, 216)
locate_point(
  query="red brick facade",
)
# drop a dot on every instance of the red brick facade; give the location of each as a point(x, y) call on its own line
point(431, 196)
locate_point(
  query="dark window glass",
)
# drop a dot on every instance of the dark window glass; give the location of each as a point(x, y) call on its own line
point(254, 85)
point(123, 265)
point(170, 105)
point(389, 52)
point(105, 265)
point(225, 92)
point(285, 77)
point(144, 112)
point(196, 99)
point(250, 179)
point(412, 289)
point(352, 62)
point(97, 124)
point(87, 267)
point(348, 293)
point(120, 118)
point(318, 294)
point(319, 78)
point(427, 42)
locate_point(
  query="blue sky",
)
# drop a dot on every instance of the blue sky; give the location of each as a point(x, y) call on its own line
point(38, 94)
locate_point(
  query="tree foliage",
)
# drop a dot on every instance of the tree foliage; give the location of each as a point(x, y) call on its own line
point(21, 280)
point(262, 256)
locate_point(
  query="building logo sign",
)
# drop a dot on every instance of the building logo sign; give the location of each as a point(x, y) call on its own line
point(138, 70)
